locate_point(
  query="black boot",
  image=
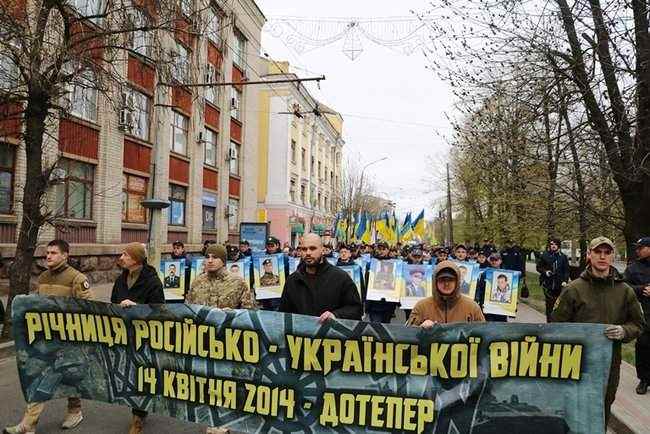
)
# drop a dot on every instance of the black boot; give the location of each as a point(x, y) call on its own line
point(642, 388)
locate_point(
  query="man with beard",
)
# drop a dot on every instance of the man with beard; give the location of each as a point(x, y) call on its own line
point(318, 288)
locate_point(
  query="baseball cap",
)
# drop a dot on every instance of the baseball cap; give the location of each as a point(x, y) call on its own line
point(447, 272)
point(272, 240)
point(599, 241)
point(643, 242)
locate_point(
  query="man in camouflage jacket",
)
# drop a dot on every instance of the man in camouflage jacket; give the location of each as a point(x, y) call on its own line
point(219, 288)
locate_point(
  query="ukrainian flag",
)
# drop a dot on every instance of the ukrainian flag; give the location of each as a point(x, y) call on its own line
point(419, 225)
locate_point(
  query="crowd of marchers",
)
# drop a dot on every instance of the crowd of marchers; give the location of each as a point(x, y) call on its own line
point(320, 289)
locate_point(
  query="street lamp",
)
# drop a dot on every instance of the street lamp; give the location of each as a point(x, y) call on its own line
point(363, 171)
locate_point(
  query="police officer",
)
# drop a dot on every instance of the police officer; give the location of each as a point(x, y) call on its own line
point(637, 275)
point(60, 279)
point(601, 296)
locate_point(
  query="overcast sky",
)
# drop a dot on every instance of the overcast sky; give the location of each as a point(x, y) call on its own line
point(409, 100)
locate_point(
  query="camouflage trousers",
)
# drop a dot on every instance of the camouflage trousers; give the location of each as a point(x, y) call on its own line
point(34, 410)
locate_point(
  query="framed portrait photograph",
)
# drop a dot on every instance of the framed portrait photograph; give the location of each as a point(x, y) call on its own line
point(197, 267)
point(242, 269)
point(172, 275)
point(501, 292)
point(383, 280)
point(469, 275)
point(354, 271)
point(269, 275)
point(293, 264)
point(416, 284)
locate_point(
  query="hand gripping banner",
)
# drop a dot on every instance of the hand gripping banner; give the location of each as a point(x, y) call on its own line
point(258, 371)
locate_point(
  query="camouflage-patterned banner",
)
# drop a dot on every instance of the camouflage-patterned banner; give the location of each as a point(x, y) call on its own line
point(260, 372)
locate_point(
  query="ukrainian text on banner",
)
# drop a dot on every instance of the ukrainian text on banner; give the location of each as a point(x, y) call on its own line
point(256, 371)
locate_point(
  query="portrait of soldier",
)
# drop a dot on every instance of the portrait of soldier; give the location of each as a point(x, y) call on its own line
point(171, 279)
point(268, 278)
point(464, 284)
point(384, 279)
point(415, 286)
point(501, 292)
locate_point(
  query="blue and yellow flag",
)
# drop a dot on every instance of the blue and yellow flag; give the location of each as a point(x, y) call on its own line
point(361, 226)
point(419, 225)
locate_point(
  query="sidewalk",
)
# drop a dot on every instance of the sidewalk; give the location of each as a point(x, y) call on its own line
point(630, 412)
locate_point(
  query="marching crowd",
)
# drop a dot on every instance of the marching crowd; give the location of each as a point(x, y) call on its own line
point(317, 288)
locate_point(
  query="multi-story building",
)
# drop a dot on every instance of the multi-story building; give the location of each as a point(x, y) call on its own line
point(193, 145)
point(300, 153)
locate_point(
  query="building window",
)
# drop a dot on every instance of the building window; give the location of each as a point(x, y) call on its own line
point(239, 50)
point(90, 8)
point(235, 103)
point(83, 96)
point(210, 143)
point(303, 158)
point(180, 126)
point(293, 151)
point(303, 194)
point(74, 194)
point(233, 214)
point(177, 199)
point(135, 114)
point(326, 204)
point(320, 167)
point(133, 193)
point(319, 203)
point(312, 166)
point(7, 156)
point(209, 211)
point(181, 64)
point(292, 190)
point(215, 23)
point(235, 149)
point(140, 41)
point(211, 76)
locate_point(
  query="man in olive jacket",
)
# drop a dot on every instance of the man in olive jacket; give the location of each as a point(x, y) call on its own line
point(60, 280)
point(319, 289)
point(600, 295)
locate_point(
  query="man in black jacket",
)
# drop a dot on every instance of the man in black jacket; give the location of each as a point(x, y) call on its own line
point(637, 275)
point(553, 269)
point(138, 284)
point(318, 288)
point(345, 256)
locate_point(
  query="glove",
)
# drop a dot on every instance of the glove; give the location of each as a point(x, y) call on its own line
point(615, 332)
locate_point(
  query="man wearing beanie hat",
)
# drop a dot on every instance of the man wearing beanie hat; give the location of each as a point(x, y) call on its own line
point(220, 289)
point(217, 287)
point(600, 295)
point(138, 284)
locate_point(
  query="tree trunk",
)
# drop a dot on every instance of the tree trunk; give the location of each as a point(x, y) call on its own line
point(635, 198)
point(36, 183)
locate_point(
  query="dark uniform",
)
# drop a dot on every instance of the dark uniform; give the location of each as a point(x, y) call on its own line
point(172, 282)
point(637, 275)
point(590, 299)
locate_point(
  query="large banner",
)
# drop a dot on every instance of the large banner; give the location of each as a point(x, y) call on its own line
point(260, 372)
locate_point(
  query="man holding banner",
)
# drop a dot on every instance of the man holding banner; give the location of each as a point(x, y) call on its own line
point(318, 288)
point(600, 295)
point(59, 279)
point(447, 305)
